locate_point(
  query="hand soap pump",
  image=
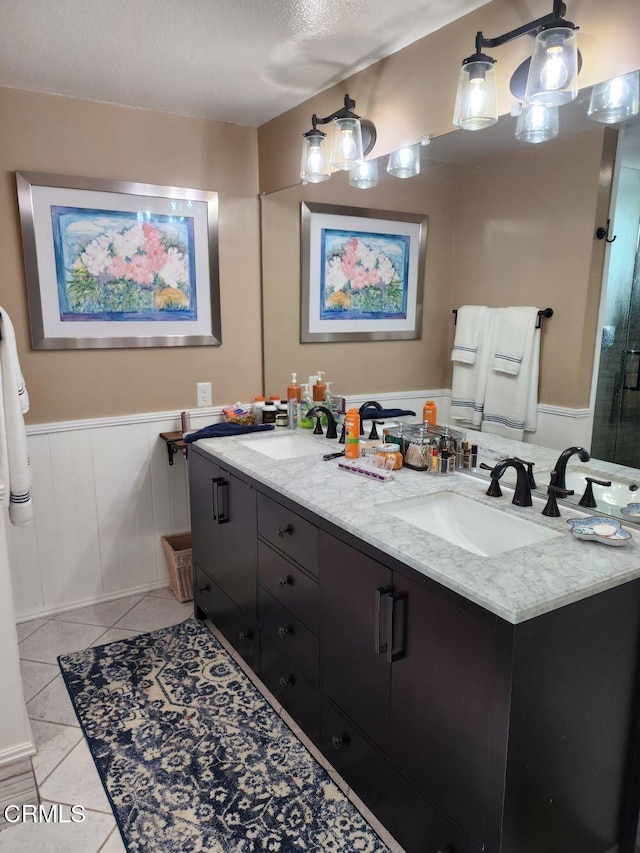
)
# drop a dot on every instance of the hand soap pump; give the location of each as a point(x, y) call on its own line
point(319, 389)
point(304, 406)
point(294, 392)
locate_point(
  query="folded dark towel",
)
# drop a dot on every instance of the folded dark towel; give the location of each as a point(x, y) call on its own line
point(225, 429)
point(373, 414)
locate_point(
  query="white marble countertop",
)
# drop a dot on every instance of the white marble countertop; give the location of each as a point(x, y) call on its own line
point(516, 585)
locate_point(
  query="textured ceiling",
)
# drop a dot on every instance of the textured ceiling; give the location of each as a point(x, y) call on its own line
point(242, 61)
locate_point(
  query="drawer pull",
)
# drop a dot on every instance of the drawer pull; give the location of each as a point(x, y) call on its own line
point(204, 588)
point(287, 681)
point(287, 530)
point(338, 741)
point(284, 630)
point(245, 635)
point(282, 582)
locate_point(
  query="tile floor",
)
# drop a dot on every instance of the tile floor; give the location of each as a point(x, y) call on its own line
point(64, 770)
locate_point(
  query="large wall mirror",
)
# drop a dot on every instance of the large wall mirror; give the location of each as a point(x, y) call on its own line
point(509, 223)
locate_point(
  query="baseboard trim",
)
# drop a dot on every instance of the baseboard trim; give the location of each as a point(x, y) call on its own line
point(95, 599)
point(17, 753)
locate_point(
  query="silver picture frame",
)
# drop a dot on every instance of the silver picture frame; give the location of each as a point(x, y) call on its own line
point(185, 317)
point(324, 323)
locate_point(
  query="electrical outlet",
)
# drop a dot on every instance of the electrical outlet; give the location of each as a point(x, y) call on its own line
point(203, 392)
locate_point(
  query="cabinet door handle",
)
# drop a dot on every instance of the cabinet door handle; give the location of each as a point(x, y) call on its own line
point(283, 631)
point(220, 500)
point(379, 647)
point(288, 681)
point(287, 581)
point(395, 630)
point(287, 530)
point(339, 741)
point(204, 588)
point(245, 635)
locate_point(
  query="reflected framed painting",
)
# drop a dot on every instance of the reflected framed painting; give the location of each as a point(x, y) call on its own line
point(116, 264)
point(362, 273)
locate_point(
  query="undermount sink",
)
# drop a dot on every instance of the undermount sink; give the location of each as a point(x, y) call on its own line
point(474, 526)
point(286, 446)
point(619, 493)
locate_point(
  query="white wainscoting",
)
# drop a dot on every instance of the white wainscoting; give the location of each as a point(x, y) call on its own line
point(104, 494)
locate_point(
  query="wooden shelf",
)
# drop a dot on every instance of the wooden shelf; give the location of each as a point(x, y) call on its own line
point(175, 443)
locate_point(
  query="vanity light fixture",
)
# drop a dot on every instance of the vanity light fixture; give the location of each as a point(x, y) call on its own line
point(615, 100)
point(551, 73)
point(405, 162)
point(353, 139)
point(365, 175)
point(537, 123)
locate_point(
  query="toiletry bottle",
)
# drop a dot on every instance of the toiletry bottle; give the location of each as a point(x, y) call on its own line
point(292, 411)
point(282, 413)
point(294, 392)
point(303, 408)
point(269, 412)
point(352, 434)
point(319, 389)
point(430, 413)
point(258, 409)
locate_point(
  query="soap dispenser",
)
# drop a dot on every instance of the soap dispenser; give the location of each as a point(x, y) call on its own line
point(304, 406)
point(294, 392)
point(319, 389)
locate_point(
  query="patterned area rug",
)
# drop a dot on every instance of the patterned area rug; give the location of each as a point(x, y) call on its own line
point(193, 758)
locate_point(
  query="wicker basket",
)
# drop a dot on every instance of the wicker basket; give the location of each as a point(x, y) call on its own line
point(177, 550)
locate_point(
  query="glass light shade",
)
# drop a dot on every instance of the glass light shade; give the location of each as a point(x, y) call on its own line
point(346, 147)
point(405, 162)
point(365, 175)
point(537, 124)
point(616, 100)
point(314, 165)
point(553, 72)
point(476, 100)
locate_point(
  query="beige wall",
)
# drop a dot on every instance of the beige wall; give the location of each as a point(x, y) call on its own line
point(354, 367)
point(513, 229)
point(412, 92)
point(74, 137)
point(524, 235)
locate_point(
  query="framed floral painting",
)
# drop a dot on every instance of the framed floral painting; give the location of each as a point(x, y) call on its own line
point(114, 264)
point(362, 274)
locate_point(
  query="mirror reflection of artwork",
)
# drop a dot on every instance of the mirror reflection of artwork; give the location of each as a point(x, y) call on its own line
point(364, 275)
point(115, 265)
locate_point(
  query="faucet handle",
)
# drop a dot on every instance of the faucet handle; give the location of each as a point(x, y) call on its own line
point(588, 499)
point(551, 507)
point(529, 467)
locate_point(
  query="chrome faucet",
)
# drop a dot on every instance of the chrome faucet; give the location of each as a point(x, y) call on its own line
point(561, 465)
point(331, 421)
point(522, 494)
point(371, 404)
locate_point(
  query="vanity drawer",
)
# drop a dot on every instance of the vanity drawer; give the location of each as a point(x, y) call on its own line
point(237, 626)
point(287, 531)
point(298, 592)
point(290, 687)
point(286, 633)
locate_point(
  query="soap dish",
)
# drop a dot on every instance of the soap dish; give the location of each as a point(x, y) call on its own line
point(631, 509)
point(598, 528)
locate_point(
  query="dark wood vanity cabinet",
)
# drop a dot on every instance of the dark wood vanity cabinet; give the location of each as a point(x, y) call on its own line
point(461, 731)
point(225, 562)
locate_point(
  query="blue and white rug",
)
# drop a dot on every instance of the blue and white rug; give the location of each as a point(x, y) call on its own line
point(193, 758)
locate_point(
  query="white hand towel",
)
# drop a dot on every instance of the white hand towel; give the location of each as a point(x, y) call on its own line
point(511, 402)
point(470, 324)
point(513, 337)
point(15, 470)
point(470, 380)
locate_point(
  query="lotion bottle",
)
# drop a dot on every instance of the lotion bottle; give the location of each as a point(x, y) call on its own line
point(294, 392)
point(352, 434)
point(319, 389)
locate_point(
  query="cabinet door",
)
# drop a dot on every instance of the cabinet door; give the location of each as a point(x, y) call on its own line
point(205, 531)
point(355, 670)
point(441, 704)
point(236, 511)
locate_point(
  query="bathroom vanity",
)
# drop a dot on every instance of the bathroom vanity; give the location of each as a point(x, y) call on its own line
point(473, 703)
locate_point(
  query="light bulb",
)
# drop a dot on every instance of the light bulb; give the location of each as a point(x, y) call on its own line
point(554, 75)
point(478, 99)
point(347, 146)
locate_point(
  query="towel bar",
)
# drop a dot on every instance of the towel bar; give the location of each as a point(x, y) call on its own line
point(543, 312)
